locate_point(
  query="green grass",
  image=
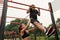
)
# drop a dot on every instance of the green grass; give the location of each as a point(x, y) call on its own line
point(44, 38)
point(41, 38)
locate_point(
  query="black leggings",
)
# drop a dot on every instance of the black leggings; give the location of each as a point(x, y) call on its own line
point(34, 20)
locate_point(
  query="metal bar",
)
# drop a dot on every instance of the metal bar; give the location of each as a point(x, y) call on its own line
point(3, 20)
point(18, 3)
point(14, 22)
point(27, 5)
point(13, 17)
point(53, 21)
point(17, 8)
point(16, 17)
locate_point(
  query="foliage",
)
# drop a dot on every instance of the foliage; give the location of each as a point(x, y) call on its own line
point(14, 27)
point(58, 20)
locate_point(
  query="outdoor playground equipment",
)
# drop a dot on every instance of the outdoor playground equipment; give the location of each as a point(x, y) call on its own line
point(3, 18)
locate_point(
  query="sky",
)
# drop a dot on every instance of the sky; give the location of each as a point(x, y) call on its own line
point(45, 17)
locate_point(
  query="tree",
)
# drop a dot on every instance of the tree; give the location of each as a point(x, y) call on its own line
point(58, 21)
point(14, 27)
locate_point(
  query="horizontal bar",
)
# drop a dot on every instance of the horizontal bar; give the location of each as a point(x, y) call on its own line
point(15, 17)
point(10, 17)
point(18, 3)
point(17, 8)
point(14, 22)
point(28, 5)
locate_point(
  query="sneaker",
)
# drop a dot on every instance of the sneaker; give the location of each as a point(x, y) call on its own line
point(49, 31)
point(53, 32)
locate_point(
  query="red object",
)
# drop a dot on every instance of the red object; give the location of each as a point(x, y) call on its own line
point(27, 5)
point(17, 8)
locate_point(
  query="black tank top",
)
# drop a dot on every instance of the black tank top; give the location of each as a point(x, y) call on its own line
point(25, 35)
point(33, 13)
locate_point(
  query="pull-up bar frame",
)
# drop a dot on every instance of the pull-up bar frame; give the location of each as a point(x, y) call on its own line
point(2, 26)
point(27, 5)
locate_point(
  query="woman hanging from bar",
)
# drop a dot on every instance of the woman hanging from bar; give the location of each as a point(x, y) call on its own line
point(33, 16)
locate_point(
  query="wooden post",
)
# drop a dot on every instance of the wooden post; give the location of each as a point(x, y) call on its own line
point(3, 20)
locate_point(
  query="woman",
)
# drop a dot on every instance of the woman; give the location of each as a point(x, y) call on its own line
point(33, 16)
point(25, 34)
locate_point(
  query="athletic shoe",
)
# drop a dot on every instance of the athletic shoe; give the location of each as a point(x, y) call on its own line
point(53, 32)
point(50, 31)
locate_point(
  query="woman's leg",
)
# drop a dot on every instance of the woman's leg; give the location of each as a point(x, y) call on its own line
point(40, 26)
point(27, 38)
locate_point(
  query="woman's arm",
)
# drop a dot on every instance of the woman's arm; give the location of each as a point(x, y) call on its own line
point(26, 26)
point(28, 10)
point(38, 12)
